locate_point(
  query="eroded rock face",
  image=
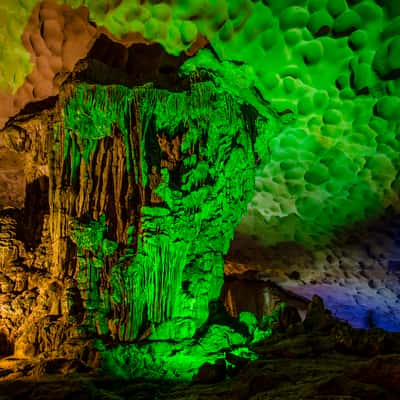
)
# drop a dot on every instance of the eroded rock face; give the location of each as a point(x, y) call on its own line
point(131, 199)
point(149, 185)
point(26, 267)
point(34, 315)
point(257, 296)
point(64, 255)
point(34, 306)
point(35, 178)
point(12, 177)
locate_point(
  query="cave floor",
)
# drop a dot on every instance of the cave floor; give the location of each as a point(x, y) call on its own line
point(306, 366)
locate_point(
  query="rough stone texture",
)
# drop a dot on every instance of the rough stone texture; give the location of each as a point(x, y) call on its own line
point(56, 37)
point(34, 313)
point(12, 176)
point(357, 274)
point(35, 292)
point(331, 83)
point(259, 297)
point(291, 365)
point(51, 37)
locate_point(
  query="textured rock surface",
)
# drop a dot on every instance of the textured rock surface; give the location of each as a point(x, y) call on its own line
point(129, 254)
point(357, 274)
point(241, 294)
point(34, 304)
point(48, 39)
point(331, 81)
point(55, 38)
point(12, 177)
point(333, 158)
point(335, 363)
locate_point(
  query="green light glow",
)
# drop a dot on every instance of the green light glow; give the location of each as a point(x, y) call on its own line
point(93, 248)
point(160, 289)
point(86, 122)
point(174, 360)
point(328, 72)
point(310, 87)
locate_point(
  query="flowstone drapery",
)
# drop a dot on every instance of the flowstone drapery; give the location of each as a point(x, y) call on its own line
point(154, 183)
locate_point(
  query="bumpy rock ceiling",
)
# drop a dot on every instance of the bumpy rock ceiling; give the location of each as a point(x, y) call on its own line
point(325, 73)
point(327, 69)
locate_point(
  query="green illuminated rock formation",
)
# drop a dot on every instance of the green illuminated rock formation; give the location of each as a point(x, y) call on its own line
point(186, 171)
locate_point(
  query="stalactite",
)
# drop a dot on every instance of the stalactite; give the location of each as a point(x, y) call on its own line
point(171, 266)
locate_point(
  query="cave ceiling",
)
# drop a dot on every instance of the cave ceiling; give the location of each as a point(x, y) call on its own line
point(326, 74)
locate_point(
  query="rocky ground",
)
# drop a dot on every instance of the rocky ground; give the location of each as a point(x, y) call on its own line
point(319, 358)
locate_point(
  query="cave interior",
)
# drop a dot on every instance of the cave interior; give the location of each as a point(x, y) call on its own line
point(200, 199)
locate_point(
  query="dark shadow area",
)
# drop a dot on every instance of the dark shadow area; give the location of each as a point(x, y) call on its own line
point(240, 294)
point(249, 250)
point(6, 346)
point(110, 63)
point(38, 106)
point(36, 207)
